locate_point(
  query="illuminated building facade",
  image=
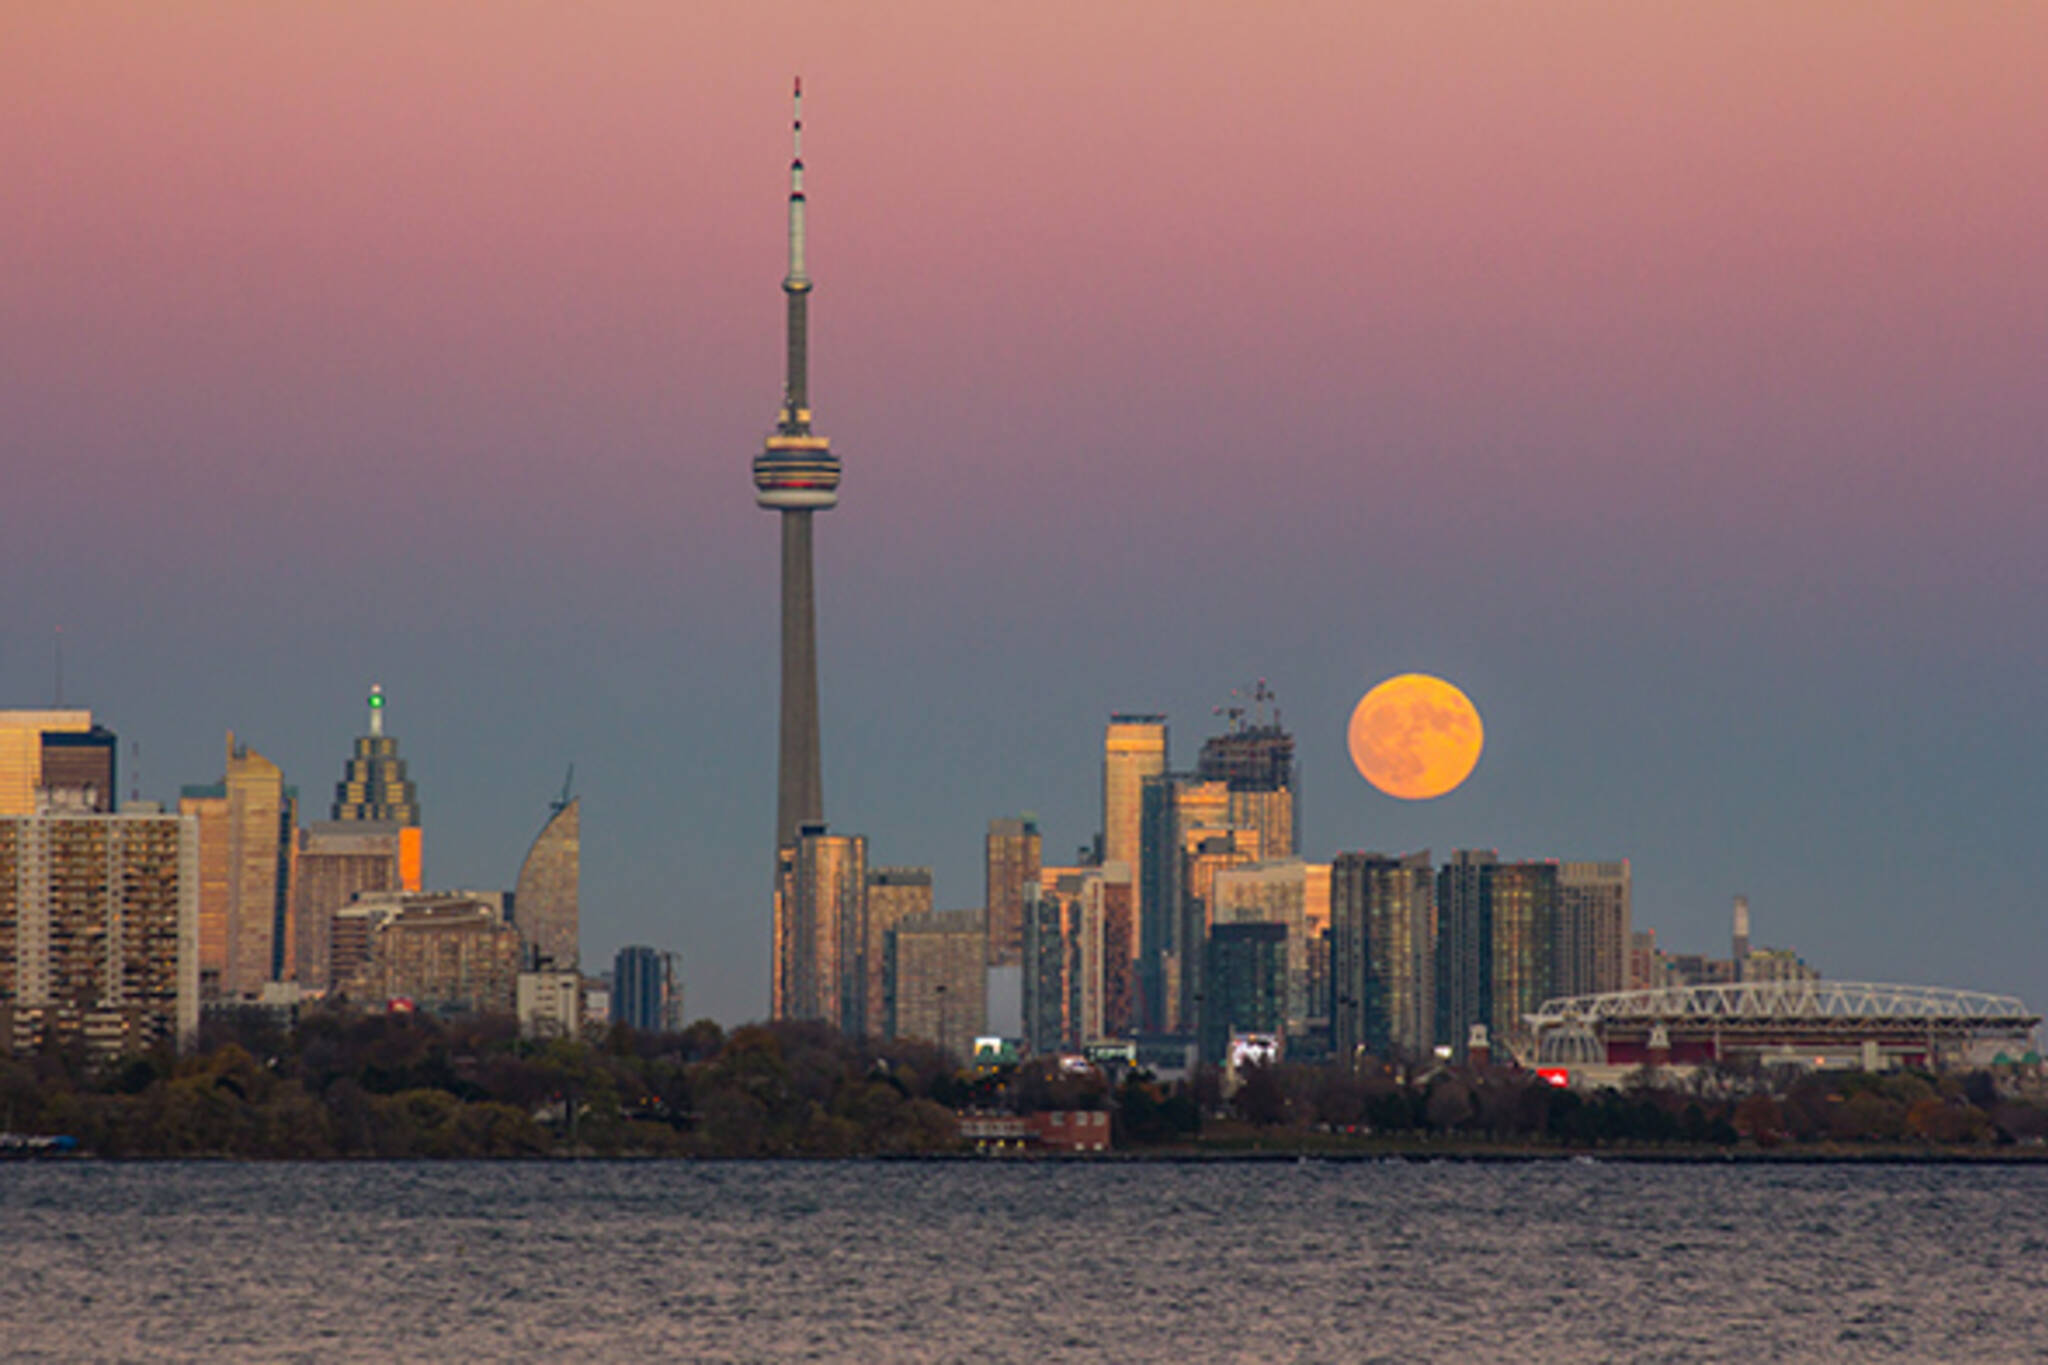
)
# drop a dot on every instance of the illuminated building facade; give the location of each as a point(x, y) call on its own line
point(1382, 917)
point(545, 904)
point(820, 930)
point(1592, 929)
point(451, 954)
point(1055, 972)
point(336, 863)
point(26, 742)
point(894, 894)
point(373, 785)
point(247, 851)
point(1521, 905)
point(1133, 752)
point(99, 930)
point(1014, 852)
point(938, 979)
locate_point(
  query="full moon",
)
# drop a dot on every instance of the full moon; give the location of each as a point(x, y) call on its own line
point(1415, 737)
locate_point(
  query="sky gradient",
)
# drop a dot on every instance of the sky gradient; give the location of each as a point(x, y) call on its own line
point(1670, 382)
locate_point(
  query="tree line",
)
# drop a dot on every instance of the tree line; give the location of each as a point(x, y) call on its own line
point(342, 1085)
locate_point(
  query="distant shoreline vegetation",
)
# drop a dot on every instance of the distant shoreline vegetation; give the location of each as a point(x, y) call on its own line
point(343, 1086)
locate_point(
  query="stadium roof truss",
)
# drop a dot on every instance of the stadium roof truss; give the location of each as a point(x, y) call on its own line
point(1827, 1006)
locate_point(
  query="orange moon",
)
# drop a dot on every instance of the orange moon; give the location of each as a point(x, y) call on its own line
point(1415, 737)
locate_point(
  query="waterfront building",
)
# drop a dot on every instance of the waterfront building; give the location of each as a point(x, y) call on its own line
point(338, 861)
point(99, 929)
point(545, 904)
point(1382, 919)
point(1521, 909)
point(374, 787)
point(247, 822)
point(893, 894)
point(937, 976)
point(1464, 946)
point(1014, 853)
point(647, 989)
point(820, 930)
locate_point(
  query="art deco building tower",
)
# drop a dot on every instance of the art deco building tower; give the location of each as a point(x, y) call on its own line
point(797, 475)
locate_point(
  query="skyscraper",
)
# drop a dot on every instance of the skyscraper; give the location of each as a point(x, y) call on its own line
point(1246, 976)
point(545, 904)
point(374, 786)
point(938, 979)
point(647, 989)
point(1133, 749)
point(246, 854)
point(339, 860)
point(1015, 852)
point(894, 894)
point(1592, 928)
point(820, 929)
point(1381, 924)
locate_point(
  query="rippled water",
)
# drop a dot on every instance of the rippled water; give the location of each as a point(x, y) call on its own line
point(1015, 1261)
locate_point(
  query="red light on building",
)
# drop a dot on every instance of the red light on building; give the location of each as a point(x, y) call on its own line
point(1556, 1075)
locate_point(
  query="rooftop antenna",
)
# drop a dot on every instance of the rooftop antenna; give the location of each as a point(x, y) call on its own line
point(376, 710)
point(59, 703)
point(134, 770)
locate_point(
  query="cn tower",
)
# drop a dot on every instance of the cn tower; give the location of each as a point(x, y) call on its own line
point(797, 475)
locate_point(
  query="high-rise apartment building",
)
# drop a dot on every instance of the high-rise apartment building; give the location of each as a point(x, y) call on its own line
point(1054, 973)
point(647, 989)
point(337, 862)
point(373, 784)
point(1246, 984)
point(1014, 852)
point(938, 978)
point(1382, 921)
point(1499, 946)
point(545, 904)
point(247, 849)
point(821, 930)
point(1592, 956)
point(99, 929)
point(1279, 892)
point(894, 894)
point(1464, 946)
point(1521, 905)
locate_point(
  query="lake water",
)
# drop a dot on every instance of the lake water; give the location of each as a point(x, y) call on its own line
point(1022, 1261)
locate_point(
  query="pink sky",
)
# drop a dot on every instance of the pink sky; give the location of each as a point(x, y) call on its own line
point(1713, 327)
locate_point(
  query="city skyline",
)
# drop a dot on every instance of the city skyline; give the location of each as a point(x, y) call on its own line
point(1666, 383)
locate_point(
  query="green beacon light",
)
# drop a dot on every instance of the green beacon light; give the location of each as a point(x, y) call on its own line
point(376, 709)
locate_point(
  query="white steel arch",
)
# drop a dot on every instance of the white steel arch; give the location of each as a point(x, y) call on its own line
point(1788, 1001)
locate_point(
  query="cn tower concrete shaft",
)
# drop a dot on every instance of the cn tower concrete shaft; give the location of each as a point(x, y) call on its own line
point(800, 798)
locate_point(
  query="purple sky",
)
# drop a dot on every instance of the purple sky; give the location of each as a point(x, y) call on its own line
point(1671, 383)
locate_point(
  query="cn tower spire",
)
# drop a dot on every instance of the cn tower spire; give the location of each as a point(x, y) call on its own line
point(796, 474)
